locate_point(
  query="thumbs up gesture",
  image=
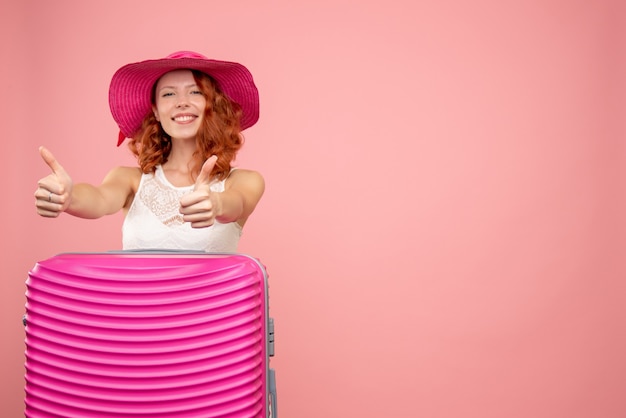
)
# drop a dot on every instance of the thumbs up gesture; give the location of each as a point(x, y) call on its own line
point(54, 191)
point(200, 207)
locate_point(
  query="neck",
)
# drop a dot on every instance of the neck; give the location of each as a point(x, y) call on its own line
point(181, 157)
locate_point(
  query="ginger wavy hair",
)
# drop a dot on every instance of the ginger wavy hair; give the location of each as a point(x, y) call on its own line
point(220, 133)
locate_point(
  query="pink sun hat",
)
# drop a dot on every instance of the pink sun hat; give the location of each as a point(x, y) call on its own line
point(131, 88)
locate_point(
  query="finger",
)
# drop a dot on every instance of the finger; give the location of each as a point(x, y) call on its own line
point(205, 224)
point(48, 209)
point(49, 184)
point(201, 223)
point(205, 173)
point(48, 213)
point(195, 202)
point(47, 198)
point(51, 161)
point(202, 209)
point(43, 193)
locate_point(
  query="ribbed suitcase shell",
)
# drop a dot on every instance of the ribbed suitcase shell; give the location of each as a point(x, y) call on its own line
point(148, 335)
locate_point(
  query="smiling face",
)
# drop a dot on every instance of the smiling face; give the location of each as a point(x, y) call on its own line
point(179, 104)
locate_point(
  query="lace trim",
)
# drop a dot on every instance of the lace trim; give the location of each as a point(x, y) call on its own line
point(162, 200)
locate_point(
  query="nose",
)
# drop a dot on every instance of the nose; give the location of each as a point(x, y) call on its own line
point(182, 102)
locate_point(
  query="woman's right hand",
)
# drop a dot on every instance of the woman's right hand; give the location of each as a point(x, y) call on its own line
point(54, 193)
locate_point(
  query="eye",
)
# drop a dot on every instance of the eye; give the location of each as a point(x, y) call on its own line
point(167, 94)
point(196, 92)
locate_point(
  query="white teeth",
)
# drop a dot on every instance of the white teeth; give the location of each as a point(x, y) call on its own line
point(183, 118)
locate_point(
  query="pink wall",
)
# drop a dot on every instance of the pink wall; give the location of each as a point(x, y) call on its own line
point(444, 219)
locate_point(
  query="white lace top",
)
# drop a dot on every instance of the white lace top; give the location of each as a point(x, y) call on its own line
point(154, 222)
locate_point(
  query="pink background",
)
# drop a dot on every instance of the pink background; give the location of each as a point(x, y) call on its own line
point(444, 218)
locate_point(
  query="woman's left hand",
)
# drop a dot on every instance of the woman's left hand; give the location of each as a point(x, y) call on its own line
point(201, 206)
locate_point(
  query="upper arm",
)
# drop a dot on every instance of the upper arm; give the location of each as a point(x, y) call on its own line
point(250, 186)
point(119, 187)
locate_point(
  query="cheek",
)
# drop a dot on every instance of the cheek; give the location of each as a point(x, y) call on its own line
point(162, 103)
point(198, 100)
point(157, 110)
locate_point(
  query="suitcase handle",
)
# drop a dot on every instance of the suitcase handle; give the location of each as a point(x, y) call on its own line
point(273, 407)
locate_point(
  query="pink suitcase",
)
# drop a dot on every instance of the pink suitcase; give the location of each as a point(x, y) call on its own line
point(149, 334)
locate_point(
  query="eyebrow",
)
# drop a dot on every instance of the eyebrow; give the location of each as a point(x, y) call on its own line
point(174, 88)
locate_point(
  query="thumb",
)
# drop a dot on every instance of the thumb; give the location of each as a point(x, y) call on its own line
point(204, 178)
point(51, 161)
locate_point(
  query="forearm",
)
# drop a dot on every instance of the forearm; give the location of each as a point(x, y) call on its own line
point(235, 204)
point(238, 201)
point(87, 202)
point(229, 206)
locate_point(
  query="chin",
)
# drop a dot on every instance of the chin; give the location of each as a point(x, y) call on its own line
point(184, 135)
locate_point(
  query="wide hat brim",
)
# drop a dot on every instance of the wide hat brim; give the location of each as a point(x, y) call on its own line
point(131, 88)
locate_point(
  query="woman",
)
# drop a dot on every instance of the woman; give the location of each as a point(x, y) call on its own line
point(184, 115)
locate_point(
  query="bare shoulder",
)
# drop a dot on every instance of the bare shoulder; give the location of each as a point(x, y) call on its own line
point(243, 176)
point(249, 182)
